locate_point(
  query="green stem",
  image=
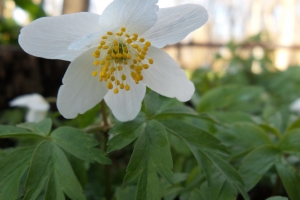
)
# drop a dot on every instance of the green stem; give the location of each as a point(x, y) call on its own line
point(108, 192)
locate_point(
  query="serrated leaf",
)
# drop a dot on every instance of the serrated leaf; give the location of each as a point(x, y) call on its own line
point(50, 166)
point(219, 189)
point(12, 168)
point(231, 97)
point(79, 144)
point(150, 156)
point(257, 163)
point(227, 171)
point(42, 128)
point(290, 141)
point(290, 179)
point(193, 135)
point(12, 131)
point(238, 136)
point(126, 132)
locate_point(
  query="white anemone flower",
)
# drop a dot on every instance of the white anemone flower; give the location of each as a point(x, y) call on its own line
point(116, 55)
point(37, 106)
point(295, 106)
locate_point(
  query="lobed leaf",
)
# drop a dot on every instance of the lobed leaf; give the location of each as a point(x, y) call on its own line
point(42, 128)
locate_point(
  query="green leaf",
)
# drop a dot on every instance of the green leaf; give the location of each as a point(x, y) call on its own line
point(193, 135)
point(126, 132)
point(290, 141)
point(277, 198)
point(238, 135)
point(11, 131)
point(219, 189)
point(231, 98)
point(127, 193)
point(290, 179)
point(226, 170)
point(197, 195)
point(42, 128)
point(79, 144)
point(232, 117)
point(150, 155)
point(257, 163)
point(270, 129)
point(50, 167)
point(294, 125)
point(12, 168)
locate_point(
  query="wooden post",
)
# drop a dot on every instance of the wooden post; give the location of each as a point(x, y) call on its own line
point(73, 6)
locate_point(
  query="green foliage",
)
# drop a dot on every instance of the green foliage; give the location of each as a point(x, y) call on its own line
point(49, 171)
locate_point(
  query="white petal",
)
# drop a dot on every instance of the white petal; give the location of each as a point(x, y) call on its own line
point(175, 23)
point(80, 90)
point(50, 37)
point(137, 16)
point(35, 116)
point(126, 104)
point(166, 78)
point(32, 101)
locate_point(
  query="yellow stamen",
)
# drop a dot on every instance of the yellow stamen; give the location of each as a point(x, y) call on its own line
point(94, 73)
point(116, 91)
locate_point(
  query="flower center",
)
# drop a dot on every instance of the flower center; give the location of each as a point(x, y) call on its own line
point(117, 54)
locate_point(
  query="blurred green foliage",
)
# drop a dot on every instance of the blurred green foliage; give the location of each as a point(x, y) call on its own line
point(9, 29)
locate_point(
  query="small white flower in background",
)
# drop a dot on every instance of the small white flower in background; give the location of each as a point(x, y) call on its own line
point(116, 55)
point(37, 106)
point(295, 106)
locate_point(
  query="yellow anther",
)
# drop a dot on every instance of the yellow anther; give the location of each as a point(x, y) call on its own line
point(124, 55)
point(99, 47)
point(129, 56)
point(135, 61)
point(102, 42)
point(148, 44)
point(112, 78)
point(129, 41)
point(110, 85)
point(123, 29)
point(116, 42)
point(119, 55)
point(142, 57)
point(145, 48)
point(142, 40)
point(96, 55)
point(116, 48)
point(119, 34)
point(127, 87)
point(135, 46)
point(117, 61)
point(133, 75)
point(144, 53)
point(126, 49)
point(105, 47)
point(120, 68)
point(104, 37)
point(96, 62)
point(94, 73)
point(132, 66)
point(145, 66)
point(112, 69)
point(107, 57)
point(123, 77)
point(135, 35)
point(117, 82)
point(134, 38)
point(113, 55)
point(122, 86)
point(141, 77)
point(109, 51)
point(125, 62)
point(116, 91)
point(102, 62)
point(109, 33)
point(97, 52)
point(127, 35)
point(151, 61)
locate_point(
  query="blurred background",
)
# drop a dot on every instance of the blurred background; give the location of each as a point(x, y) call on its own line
point(248, 37)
